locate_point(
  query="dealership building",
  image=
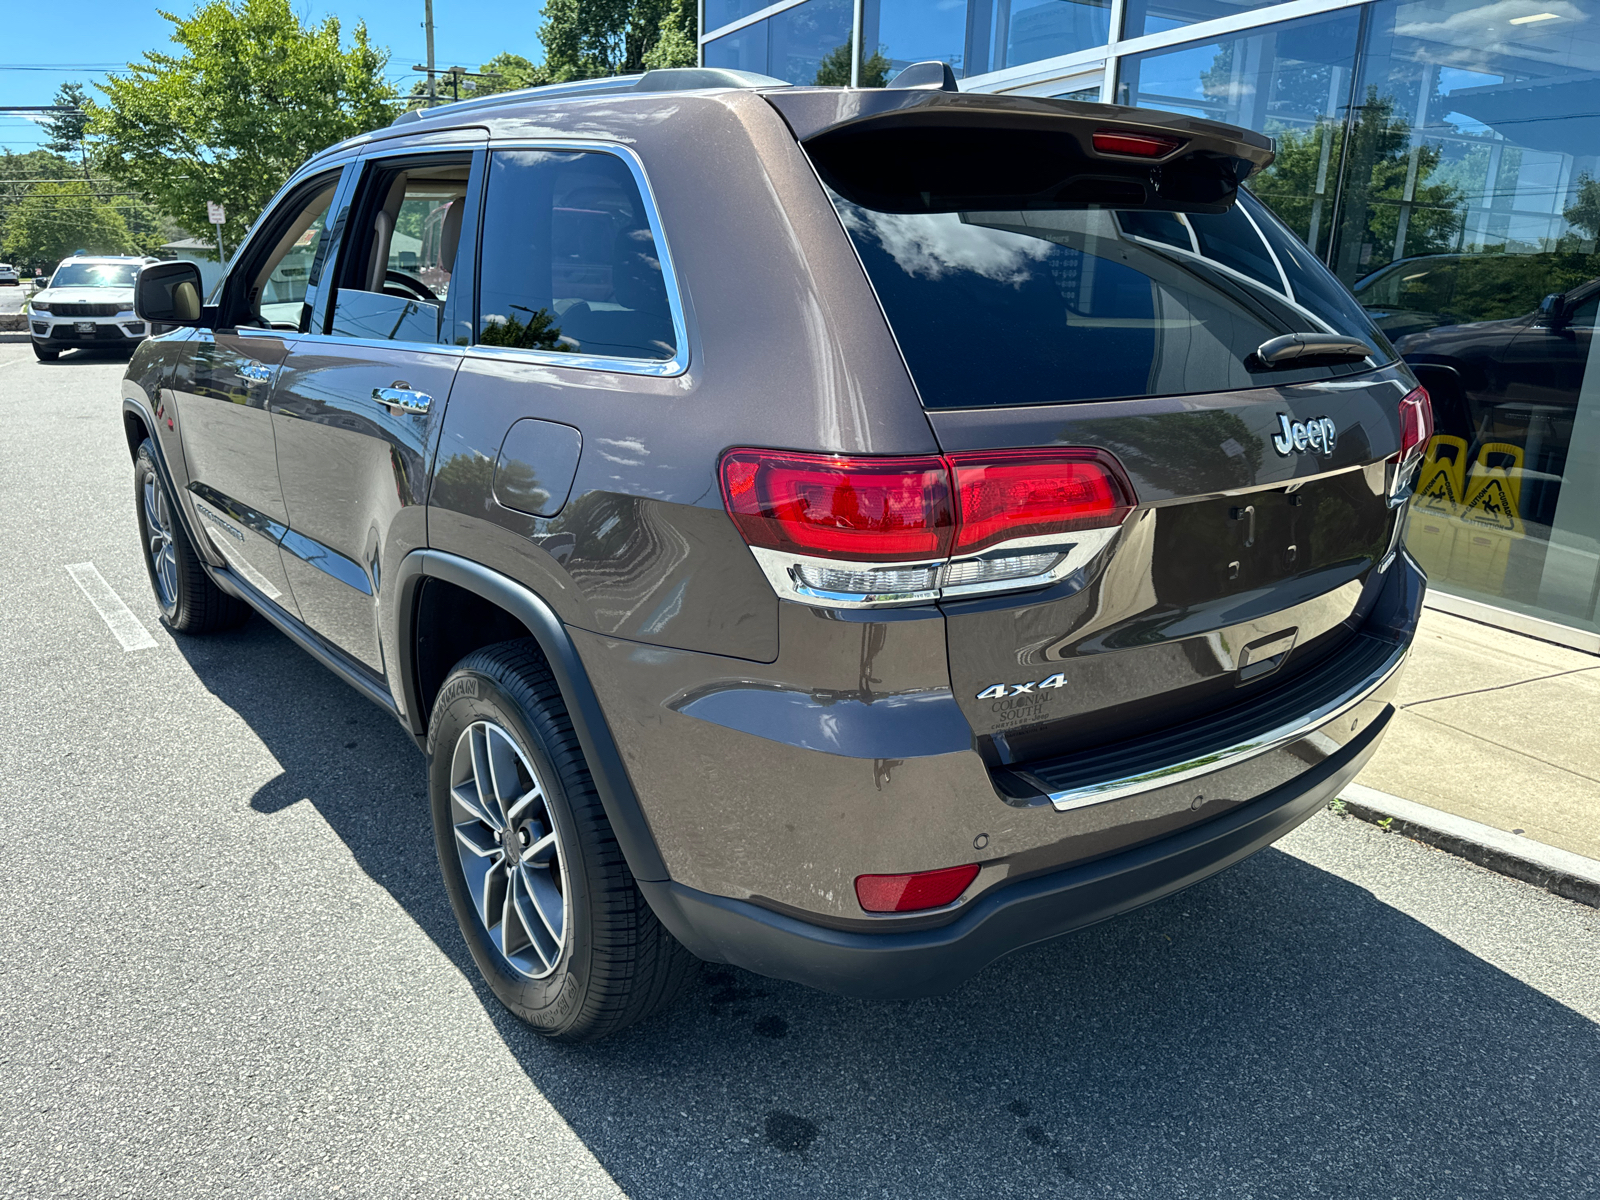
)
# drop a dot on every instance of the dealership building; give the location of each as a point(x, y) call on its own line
point(1441, 156)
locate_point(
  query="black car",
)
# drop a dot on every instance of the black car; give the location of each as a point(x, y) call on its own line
point(849, 534)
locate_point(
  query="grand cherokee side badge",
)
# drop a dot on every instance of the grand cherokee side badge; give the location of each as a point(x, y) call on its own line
point(1317, 436)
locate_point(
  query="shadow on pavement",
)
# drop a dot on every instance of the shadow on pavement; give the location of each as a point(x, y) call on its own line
point(1275, 1031)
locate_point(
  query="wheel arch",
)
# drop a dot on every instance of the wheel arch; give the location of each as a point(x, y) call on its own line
point(486, 607)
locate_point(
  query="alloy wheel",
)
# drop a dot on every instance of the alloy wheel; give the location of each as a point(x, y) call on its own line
point(506, 837)
point(158, 541)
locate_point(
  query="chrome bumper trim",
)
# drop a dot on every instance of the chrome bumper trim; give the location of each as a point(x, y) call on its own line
point(1231, 756)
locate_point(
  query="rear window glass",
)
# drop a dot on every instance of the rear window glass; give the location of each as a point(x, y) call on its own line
point(1053, 305)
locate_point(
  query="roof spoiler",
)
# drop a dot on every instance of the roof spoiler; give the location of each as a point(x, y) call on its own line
point(924, 149)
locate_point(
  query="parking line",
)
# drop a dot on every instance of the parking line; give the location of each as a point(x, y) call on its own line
point(125, 627)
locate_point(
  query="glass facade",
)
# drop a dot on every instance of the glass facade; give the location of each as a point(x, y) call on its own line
point(1441, 156)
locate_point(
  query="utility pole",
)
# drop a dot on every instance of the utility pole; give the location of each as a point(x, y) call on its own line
point(428, 7)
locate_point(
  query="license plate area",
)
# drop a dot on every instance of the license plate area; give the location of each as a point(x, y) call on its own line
point(84, 326)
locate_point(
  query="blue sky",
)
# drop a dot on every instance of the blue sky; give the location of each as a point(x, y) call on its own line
point(81, 40)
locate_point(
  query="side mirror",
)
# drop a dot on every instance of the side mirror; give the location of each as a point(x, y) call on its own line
point(1552, 309)
point(169, 294)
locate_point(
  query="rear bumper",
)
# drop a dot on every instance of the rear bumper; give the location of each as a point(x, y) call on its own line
point(928, 962)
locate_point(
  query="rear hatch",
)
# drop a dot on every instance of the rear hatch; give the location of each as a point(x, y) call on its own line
point(1070, 275)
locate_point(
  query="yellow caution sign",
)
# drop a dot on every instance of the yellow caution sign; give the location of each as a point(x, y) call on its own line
point(1491, 518)
point(1441, 484)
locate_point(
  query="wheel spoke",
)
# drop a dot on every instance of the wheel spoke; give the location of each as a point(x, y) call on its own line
point(541, 851)
point(503, 772)
point(545, 941)
point(476, 839)
point(494, 894)
point(527, 798)
point(480, 773)
point(548, 901)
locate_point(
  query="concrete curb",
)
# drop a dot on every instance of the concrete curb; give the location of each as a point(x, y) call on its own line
point(1559, 871)
point(12, 322)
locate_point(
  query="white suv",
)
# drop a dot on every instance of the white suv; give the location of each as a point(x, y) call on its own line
point(88, 303)
point(8, 275)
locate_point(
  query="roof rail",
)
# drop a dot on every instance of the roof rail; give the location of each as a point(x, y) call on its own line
point(662, 79)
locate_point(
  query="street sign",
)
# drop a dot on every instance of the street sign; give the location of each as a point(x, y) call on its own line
point(215, 213)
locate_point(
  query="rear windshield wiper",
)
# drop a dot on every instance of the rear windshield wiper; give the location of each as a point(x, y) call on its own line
point(1307, 350)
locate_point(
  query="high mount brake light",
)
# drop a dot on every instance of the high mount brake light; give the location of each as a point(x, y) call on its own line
point(867, 531)
point(1137, 145)
point(913, 893)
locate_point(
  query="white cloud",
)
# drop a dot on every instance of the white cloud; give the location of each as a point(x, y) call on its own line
point(938, 244)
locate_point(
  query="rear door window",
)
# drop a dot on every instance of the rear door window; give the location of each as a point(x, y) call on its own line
point(570, 262)
point(1041, 305)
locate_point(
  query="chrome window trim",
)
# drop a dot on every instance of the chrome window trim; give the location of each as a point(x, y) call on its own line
point(307, 173)
point(678, 364)
point(1293, 730)
point(1077, 549)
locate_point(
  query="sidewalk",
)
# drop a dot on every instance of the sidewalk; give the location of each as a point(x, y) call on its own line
point(1498, 728)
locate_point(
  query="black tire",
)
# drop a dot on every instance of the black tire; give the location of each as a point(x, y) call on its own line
point(616, 964)
point(44, 355)
point(189, 601)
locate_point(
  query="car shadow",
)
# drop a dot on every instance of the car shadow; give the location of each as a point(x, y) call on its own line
point(1274, 1031)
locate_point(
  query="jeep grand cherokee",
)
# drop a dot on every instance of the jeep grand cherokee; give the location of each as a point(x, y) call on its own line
point(849, 534)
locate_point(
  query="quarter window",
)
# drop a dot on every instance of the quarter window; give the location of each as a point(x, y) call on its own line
point(570, 263)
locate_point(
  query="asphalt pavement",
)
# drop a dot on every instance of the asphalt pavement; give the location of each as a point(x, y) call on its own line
point(227, 968)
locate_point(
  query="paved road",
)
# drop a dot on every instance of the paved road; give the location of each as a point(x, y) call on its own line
point(227, 969)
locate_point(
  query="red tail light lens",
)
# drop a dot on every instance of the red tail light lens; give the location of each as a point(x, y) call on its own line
point(1005, 495)
point(902, 509)
point(911, 893)
point(1416, 425)
point(1140, 145)
point(870, 509)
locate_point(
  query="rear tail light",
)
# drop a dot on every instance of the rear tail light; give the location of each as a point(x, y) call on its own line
point(866, 532)
point(1139, 145)
point(871, 509)
point(913, 893)
point(1013, 494)
point(1416, 431)
point(1416, 425)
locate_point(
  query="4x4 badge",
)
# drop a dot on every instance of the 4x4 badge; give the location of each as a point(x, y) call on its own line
point(1000, 691)
point(1296, 438)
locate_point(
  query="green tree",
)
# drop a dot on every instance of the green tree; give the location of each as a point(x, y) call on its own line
point(679, 44)
point(69, 130)
point(1377, 165)
point(590, 39)
point(56, 219)
point(834, 69)
point(1584, 211)
point(251, 95)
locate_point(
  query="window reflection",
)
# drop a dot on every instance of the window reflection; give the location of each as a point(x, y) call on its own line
point(1453, 180)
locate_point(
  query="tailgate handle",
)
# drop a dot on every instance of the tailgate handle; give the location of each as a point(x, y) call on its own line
point(1265, 655)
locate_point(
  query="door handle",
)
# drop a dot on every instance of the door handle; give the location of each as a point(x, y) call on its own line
point(254, 372)
point(403, 398)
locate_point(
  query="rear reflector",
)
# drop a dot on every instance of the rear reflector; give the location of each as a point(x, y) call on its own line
point(1139, 145)
point(924, 508)
point(912, 893)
